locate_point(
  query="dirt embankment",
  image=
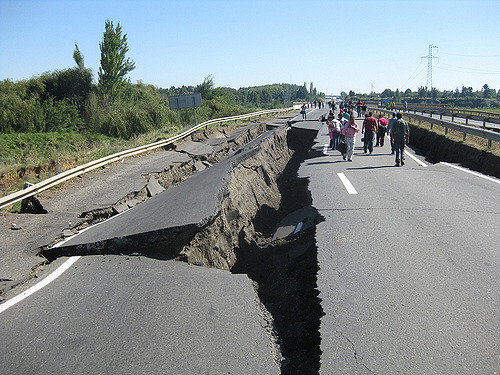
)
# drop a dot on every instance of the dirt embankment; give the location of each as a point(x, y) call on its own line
point(437, 148)
point(251, 185)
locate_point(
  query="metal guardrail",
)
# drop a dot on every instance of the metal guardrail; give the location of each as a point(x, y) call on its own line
point(479, 132)
point(77, 171)
point(444, 110)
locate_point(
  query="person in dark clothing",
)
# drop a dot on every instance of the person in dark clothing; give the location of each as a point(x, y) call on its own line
point(400, 135)
point(369, 129)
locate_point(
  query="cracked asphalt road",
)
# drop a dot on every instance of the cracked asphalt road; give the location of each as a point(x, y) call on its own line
point(409, 267)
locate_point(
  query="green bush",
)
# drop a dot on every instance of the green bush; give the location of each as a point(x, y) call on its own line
point(23, 109)
point(142, 110)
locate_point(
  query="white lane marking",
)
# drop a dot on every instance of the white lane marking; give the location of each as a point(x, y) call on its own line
point(325, 149)
point(298, 227)
point(347, 183)
point(35, 288)
point(421, 163)
point(471, 172)
point(54, 275)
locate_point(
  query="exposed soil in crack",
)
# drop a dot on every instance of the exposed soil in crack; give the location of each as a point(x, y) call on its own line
point(261, 191)
point(437, 148)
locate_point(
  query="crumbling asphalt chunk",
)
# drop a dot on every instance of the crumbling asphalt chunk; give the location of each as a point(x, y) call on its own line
point(153, 187)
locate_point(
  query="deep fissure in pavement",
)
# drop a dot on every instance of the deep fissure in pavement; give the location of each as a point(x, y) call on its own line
point(285, 270)
point(261, 190)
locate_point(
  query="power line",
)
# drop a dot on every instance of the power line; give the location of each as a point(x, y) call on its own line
point(468, 70)
point(415, 74)
point(462, 71)
point(464, 55)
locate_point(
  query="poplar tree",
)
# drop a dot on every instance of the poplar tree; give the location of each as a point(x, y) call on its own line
point(114, 66)
point(78, 57)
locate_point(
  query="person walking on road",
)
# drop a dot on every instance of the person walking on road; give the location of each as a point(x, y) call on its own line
point(349, 132)
point(369, 129)
point(334, 127)
point(303, 112)
point(389, 129)
point(359, 107)
point(382, 128)
point(400, 136)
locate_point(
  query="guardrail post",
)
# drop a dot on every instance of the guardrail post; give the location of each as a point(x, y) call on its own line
point(489, 144)
point(465, 136)
point(445, 130)
point(467, 120)
point(484, 123)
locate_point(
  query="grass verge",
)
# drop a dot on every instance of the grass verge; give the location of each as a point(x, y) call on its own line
point(34, 157)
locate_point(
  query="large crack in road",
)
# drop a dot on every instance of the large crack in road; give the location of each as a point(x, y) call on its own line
point(263, 226)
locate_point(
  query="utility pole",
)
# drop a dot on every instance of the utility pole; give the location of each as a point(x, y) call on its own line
point(429, 58)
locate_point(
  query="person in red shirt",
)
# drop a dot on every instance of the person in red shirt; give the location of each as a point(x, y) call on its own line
point(382, 129)
point(369, 129)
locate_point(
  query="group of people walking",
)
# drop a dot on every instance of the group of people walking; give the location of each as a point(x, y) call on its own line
point(343, 130)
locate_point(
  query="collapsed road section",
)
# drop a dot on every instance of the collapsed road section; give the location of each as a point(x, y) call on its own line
point(247, 213)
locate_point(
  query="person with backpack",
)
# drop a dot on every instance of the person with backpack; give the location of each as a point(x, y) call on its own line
point(400, 135)
point(334, 126)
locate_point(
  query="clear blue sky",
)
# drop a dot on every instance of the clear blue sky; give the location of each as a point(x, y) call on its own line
point(338, 45)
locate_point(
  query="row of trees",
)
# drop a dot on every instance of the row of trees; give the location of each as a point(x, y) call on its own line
point(68, 100)
point(466, 97)
point(266, 96)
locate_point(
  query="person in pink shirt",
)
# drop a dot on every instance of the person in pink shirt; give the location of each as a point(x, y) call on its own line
point(349, 132)
point(382, 129)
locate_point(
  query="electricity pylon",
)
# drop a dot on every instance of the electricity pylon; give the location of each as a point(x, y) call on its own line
point(429, 58)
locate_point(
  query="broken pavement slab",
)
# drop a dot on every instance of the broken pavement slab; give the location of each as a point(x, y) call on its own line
point(296, 222)
point(154, 187)
point(196, 149)
point(199, 166)
point(183, 210)
point(99, 190)
point(139, 315)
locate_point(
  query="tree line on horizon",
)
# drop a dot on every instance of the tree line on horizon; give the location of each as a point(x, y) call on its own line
point(466, 97)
